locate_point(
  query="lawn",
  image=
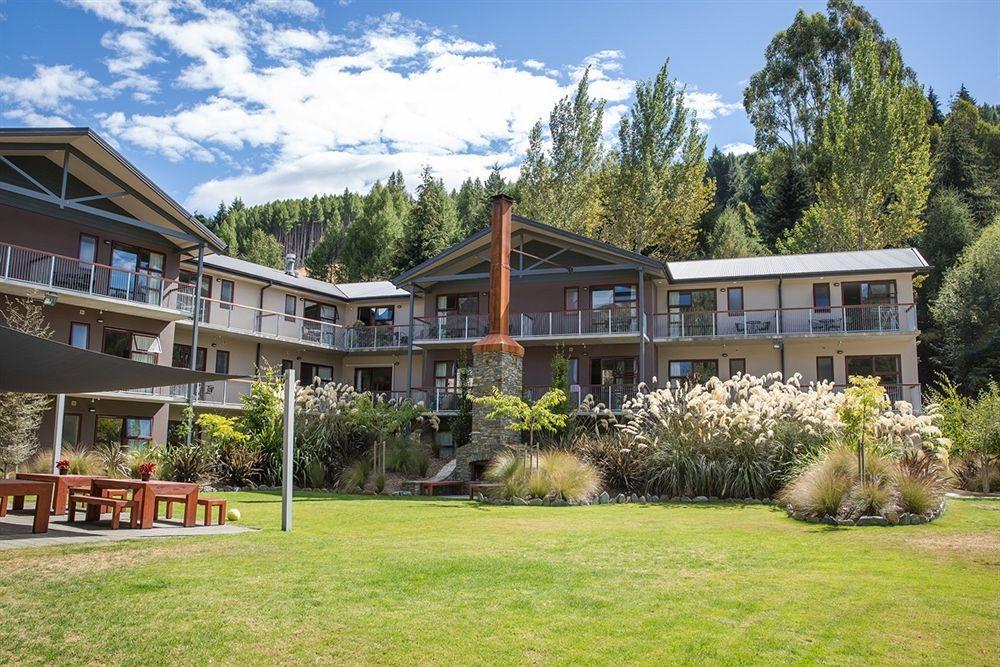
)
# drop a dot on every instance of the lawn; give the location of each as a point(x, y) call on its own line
point(405, 581)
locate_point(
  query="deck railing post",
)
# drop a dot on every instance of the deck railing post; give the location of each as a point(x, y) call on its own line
point(52, 271)
point(6, 267)
point(92, 268)
point(777, 321)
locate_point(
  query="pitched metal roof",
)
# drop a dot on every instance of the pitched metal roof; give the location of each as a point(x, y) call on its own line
point(377, 289)
point(893, 260)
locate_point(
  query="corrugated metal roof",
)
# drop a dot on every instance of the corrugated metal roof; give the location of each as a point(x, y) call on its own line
point(777, 266)
point(377, 289)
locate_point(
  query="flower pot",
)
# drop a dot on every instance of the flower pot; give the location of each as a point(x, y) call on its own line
point(145, 477)
point(63, 471)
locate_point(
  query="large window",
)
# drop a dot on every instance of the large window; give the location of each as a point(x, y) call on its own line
point(88, 249)
point(886, 367)
point(457, 304)
point(131, 345)
point(571, 298)
point(182, 357)
point(374, 379)
point(821, 297)
point(289, 308)
point(692, 312)
point(693, 370)
point(614, 371)
point(312, 371)
point(79, 335)
point(127, 432)
point(323, 312)
point(374, 316)
point(226, 290)
point(734, 299)
point(71, 429)
point(614, 296)
point(221, 361)
point(737, 366)
point(138, 275)
point(869, 292)
point(186, 301)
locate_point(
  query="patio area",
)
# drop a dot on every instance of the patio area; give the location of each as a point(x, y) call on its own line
point(16, 530)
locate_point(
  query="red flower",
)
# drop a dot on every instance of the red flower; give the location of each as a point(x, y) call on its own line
point(62, 464)
point(147, 467)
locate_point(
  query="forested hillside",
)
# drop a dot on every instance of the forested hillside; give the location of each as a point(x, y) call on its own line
point(851, 153)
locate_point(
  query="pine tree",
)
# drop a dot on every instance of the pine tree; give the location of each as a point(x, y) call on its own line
point(936, 117)
point(471, 208)
point(430, 226)
point(968, 160)
point(373, 237)
point(534, 182)
point(321, 262)
point(734, 234)
point(790, 193)
point(495, 183)
point(723, 170)
point(262, 248)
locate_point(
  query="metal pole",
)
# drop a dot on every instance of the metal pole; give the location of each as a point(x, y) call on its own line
point(194, 332)
point(57, 434)
point(642, 331)
point(287, 455)
point(409, 348)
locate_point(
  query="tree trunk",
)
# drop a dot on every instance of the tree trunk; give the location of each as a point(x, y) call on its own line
point(986, 473)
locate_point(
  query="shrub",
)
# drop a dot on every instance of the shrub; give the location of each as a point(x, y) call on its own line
point(316, 474)
point(355, 475)
point(237, 465)
point(114, 460)
point(553, 474)
point(82, 461)
point(824, 485)
point(921, 483)
point(872, 499)
point(187, 463)
point(404, 455)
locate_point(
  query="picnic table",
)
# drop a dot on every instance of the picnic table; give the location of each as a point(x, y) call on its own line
point(479, 486)
point(19, 488)
point(62, 486)
point(146, 492)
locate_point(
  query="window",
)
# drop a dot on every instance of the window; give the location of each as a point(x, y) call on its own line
point(289, 308)
point(182, 357)
point(571, 298)
point(287, 365)
point(226, 289)
point(139, 274)
point(131, 345)
point(221, 361)
point(886, 367)
point(821, 297)
point(312, 371)
point(88, 248)
point(737, 366)
point(694, 370)
point(79, 335)
point(126, 432)
point(374, 379)
point(323, 312)
point(613, 296)
point(374, 316)
point(869, 293)
point(458, 304)
point(691, 312)
point(187, 300)
point(574, 371)
point(71, 429)
point(614, 371)
point(734, 299)
point(824, 369)
point(445, 375)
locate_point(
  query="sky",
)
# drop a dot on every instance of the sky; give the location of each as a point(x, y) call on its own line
point(270, 99)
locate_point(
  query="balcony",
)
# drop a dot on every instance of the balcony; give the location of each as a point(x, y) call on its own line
point(611, 324)
point(836, 320)
point(90, 284)
point(257, 322)
point(438, 399)
point(216, 394)
point(613, 396)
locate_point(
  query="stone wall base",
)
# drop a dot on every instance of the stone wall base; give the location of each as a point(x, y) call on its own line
point(505, 371)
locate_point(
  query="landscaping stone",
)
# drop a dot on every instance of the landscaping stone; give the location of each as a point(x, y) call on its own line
point(904, 519)
point(918, 519)
point(535, 501)
point(872, 520)
point(713, 498)
point(844, 522)
point(654, 499)
point(675, 499)
point(829, 520)
point(633, 498)
point(685, 499)
point(558, 503)
point(621, 498)
point(604, 498)
point(518, 501)
point(701, 499)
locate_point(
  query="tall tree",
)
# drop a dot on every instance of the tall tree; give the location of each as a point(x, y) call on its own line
point(534, 190)
point(873, 160)
point(654, 191)
point(723, 169)
point(734, 234)
point(373, 237)
point(471, 209)
point(805, 64)
point(322, 262)
point(430, 226)
point(968, 159)
point(967, 314)
point(21, 414)
point(789, 193)
point(262, 248)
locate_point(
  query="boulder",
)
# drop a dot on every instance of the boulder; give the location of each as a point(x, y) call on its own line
point(701, 499)
point(685, 499)
point(518, 501)
point(535, 501)
point(829, 520)
point(559, 502)
point(872, 520)
point(917, 519)
point(845, 522)
point(904, 519)
point(654, 499)
point(621, 498)
point(604, 498)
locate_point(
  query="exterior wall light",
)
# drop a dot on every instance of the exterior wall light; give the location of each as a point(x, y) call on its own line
point(51, 298)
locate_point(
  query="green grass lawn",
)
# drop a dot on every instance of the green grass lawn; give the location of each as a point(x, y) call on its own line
point(414, 581)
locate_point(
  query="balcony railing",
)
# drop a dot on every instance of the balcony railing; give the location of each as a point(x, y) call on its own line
point(606, 321)
point(381, 337)
point(438, 399)
point(780, 321)
point(45, 269)
point(218, 392)
point(612, 396)
point(911, 393)
point(450, 327)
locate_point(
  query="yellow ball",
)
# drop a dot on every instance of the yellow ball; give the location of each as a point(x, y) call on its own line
point(233, 515)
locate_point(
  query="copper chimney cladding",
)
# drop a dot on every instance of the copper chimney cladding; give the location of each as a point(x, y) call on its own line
point(498, 337)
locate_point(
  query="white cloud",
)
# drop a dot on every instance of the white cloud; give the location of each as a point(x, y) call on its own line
point(50, 88)
point(300, 8)
point(534, 64)
point(709, 106)
point(739, 148)
point(33, 119)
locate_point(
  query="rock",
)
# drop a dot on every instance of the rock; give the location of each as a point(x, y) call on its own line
point(713, 498)
point(845, 522)
point(685, 499)
point(558, 502)
point(767, 501)
point(829, 520)
point(701, 499)
point(918, 519)
point(602, 499)
point(652, 499)
point(811, 519)
point(633, 498)
point(754, 501)
point(675, 499)
point(621, 498)
point(585, 501)
point(547, 502)
point(904, 519)
point(515, 500)
point(872, 520)
point(533, 501)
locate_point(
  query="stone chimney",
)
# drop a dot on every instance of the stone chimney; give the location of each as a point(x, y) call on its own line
point(290, 264)
point(497, 359)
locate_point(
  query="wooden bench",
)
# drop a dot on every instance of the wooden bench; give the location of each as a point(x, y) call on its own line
point(479, 486)
point(116, 505)
point(446, 483)
point(169, 500)
point(208, 504)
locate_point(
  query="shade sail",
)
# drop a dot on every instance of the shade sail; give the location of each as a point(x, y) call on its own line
point(37, 365)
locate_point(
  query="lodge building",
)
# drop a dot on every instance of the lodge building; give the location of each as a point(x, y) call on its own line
point(115, 261)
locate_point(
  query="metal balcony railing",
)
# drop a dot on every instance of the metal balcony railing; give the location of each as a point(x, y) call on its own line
point(450, 327)
point(386, 336)
point(885, 318)
point(612, 396)
point(607, 321)
point(49, 270)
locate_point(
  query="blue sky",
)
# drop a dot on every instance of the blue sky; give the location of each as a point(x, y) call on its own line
point(283, 98)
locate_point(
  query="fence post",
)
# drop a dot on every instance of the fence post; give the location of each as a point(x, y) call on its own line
point(287, 453)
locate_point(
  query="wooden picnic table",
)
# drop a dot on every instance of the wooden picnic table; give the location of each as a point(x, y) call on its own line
point(62, 486)
point(146, 493)
point(478, 486)
point(19, 488)
point(430, 485)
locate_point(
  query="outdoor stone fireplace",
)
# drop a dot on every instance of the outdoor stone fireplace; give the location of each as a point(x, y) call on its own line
point(497, 359)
